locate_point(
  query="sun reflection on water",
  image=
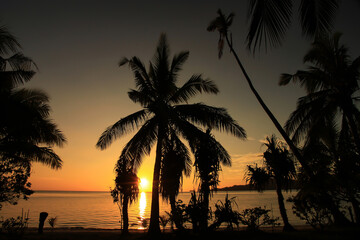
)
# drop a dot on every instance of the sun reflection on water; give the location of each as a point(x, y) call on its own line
point(142, 207)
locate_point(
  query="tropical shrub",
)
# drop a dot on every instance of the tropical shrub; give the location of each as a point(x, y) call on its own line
point(52, 222)
point(15, 228)
point(253, 218)
point(314, 213)
point(164, 220)
point(224, 213)
point(198, 212)
point(178, 214)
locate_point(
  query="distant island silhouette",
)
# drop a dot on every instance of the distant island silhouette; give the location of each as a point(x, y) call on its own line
point(270, 186)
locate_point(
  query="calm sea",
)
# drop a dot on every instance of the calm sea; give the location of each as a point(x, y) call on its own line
point(97, 210)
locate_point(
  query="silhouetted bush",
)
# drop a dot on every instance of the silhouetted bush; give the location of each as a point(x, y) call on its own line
point(253, 218)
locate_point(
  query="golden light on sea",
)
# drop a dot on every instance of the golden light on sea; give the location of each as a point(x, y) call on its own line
point(142, 207)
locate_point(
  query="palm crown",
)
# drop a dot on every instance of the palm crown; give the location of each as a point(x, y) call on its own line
point(331, 83)
point(165, 112)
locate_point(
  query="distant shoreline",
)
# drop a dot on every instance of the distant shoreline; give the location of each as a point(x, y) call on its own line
point(224, 189)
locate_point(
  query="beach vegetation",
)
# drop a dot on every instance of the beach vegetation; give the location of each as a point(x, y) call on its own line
point(256, 217)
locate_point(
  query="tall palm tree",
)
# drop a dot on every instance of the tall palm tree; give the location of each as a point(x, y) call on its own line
point(126, 189)
point(331, 83)
point(209, 156)
point(163, 112)
point(270, 20)
point(176, 163)
point(222, 24)
point(27, 134)
point(278, 166)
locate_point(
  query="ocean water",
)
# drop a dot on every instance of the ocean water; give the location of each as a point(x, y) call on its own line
point(97, 210)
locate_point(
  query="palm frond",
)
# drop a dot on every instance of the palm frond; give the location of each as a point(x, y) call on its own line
point(8, 43)
point(121, 127)
point(48, 157)
point(183, 153)
point(16, 70)
point(29, 152)
point(140, 97)
point(317, 17)
point(161, 62)
point(177, 63)
point(213, 117)
point(196, 84)
point(257, 177)
point(27, 118)
point(141, 143)
point(269, 21)
point(215, 153)
point(310, 109)
point(142, 79)
point(11, 79)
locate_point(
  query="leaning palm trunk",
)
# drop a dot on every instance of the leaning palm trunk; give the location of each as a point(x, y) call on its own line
point(287, 225)
point(269, 113)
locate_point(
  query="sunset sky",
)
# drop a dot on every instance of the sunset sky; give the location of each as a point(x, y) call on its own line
point(77, 46)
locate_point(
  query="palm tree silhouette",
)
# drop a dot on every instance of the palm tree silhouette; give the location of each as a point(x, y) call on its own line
point(278, 166)
point(209, 156)
point(269, 20)
point(126, 189)
point(27, 134)
point(163, 112)
point(222, 24)
point(176, 163)
point(331, 83)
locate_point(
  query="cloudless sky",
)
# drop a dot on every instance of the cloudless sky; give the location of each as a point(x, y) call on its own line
point(77, 46)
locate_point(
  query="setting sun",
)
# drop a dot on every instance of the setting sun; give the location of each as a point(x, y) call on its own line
point(144, 183)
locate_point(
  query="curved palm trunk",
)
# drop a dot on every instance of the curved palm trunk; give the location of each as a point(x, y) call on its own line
point(287, 225)
point(269, 113)
point(125, 215)
point(154, 227)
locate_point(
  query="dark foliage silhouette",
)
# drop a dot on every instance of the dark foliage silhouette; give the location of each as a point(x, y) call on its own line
point(327, 116)
point(278, 166)
point(27, 134)
point(209, 156)
point(126, 189)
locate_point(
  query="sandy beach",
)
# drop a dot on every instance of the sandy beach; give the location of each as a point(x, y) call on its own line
point(268, 233)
